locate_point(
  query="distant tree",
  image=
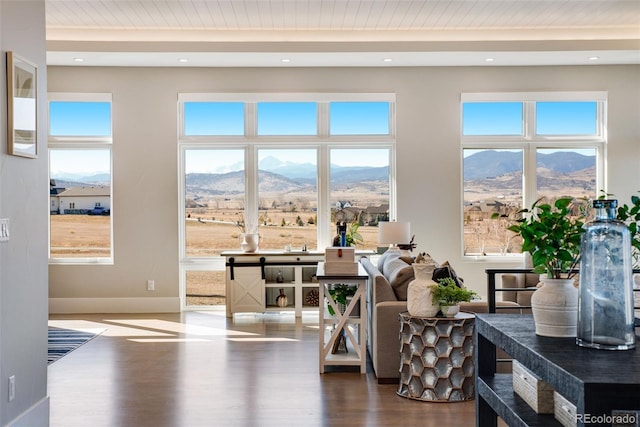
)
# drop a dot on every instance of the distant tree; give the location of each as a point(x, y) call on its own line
point(283, 223)
point(299, 221)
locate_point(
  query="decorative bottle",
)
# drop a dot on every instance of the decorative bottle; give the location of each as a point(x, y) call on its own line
point(605, 300)
point(282, 300)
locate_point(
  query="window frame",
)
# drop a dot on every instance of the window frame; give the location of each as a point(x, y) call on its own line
point(529, 142)
point(251, 142)
point(89, 142)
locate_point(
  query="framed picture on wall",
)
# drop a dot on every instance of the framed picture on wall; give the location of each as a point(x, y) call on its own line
point(22, 106)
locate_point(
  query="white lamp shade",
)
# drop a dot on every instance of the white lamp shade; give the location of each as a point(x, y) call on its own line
point(394, 233)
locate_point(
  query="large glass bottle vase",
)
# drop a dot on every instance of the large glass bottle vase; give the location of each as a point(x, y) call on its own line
point(605, 300)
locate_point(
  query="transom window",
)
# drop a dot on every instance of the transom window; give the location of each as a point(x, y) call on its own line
point(520, 147)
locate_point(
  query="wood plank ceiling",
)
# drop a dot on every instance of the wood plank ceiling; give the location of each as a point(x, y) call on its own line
point(342, 15)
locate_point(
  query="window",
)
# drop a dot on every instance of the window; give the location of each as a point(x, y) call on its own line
point(517, 148)
point(80, 178)
point(359, 189)
point(214, 188)
point(287, 118)
point(213, 118)
point(288, 197)
point(476, 118)
point(296, 159)
point(359, 118)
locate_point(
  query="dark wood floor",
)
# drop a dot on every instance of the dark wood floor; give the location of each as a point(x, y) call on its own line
point(202, 369)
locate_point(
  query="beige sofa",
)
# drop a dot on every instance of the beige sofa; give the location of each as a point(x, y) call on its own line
point(386, 299)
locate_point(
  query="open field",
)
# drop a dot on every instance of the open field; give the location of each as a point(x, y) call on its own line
point(74, 236)
point(88, 236)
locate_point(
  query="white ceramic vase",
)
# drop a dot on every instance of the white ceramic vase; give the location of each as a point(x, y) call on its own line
point(420, 292)
point(555, 308)
point(250, 242)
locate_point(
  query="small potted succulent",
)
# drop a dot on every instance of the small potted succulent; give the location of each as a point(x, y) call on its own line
point(449, 295)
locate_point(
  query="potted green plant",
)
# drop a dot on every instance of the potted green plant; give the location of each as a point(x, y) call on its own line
point(630, 215)
point(341, 294)
point(449, 295)
point(353, 237)
point(552, 234)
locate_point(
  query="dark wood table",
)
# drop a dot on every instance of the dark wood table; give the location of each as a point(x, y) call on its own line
point(595, 381)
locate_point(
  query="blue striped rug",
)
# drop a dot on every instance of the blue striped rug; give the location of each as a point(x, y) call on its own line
point(64, 341)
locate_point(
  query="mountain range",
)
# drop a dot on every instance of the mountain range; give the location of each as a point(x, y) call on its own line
point(491, 163)
point(283, 176)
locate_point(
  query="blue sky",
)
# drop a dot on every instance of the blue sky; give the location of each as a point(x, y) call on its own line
point(79, 118)
point(300, 118)
point(552, 118)
point(85, 162)
point(287, 118)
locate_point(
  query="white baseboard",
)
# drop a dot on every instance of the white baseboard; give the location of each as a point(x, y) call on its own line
point(114, 305)
point(37, 415)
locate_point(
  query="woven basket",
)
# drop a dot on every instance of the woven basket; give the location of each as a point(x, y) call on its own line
point(537, 393)
point(564, 411)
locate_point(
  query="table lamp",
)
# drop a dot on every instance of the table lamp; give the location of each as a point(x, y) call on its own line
point(394, 233)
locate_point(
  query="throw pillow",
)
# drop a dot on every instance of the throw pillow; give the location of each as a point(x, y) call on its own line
point(445, 270)
point(399, 275)
point(385, 257)
point(407, 259)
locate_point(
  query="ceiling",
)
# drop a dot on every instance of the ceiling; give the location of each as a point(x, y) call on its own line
point(382, 33)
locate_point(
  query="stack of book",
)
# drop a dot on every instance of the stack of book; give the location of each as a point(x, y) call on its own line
point(340, 261)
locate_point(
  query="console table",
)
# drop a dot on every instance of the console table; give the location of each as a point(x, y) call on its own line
point(595, 381)
point(332, 327)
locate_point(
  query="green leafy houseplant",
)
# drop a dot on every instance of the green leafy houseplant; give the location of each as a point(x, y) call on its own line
point(630, 215)
point(447, 292)
point(353, 237)
point(551, 234)
point(340, 293)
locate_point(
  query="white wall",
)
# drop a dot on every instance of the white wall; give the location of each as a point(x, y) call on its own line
point(23, 260)
point(428, 154)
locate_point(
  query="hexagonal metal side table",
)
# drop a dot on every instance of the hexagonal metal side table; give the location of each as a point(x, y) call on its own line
point(436, 358)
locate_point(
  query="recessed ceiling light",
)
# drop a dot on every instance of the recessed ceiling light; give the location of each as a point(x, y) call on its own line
point(594, 58)
point(388, 60)
point(78, 59)
point(488, 60)
point(285, 60)
point(183, 60)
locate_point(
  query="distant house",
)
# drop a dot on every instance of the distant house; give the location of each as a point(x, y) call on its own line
point(347, 214)
point(54, 200)
point(78, 200)
point(374, 214)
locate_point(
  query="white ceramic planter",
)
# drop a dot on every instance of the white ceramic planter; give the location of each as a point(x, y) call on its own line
point(555, 308)
point(450, 310)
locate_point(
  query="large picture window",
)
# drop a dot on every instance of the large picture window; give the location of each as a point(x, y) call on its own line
point(80, 213)
point(518, 148)
point(295, 165)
